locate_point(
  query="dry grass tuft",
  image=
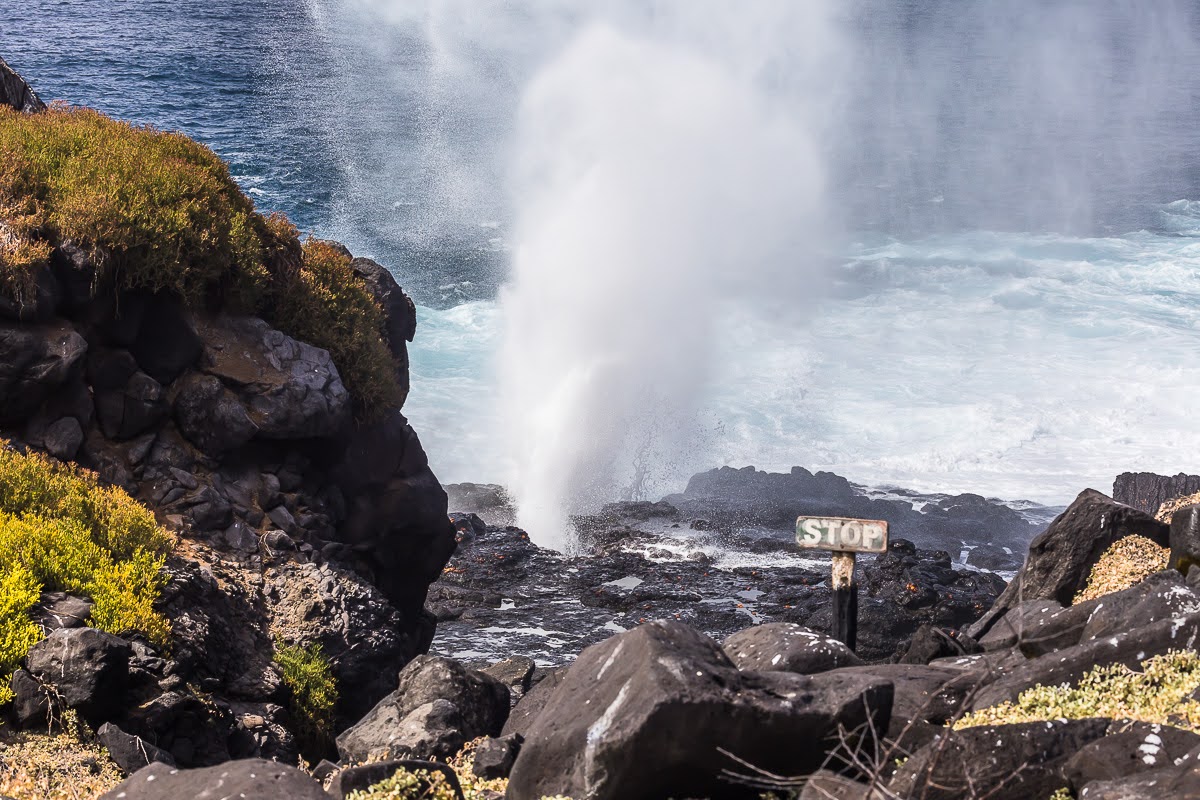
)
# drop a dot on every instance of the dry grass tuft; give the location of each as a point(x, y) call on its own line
point(1126, 563)
point(61, 766)
point(1167, 509)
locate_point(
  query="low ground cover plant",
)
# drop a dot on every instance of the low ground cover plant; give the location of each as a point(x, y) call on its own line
point(60, 530)
point(1160, 693)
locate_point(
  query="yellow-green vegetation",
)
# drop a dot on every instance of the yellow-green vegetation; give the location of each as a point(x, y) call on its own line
point(160, 211)
point(159, 208)
point(59, 766)
point(1160, 694)
point(1061, 794)
point(1125, 563)
point(61, 530)
point(329, 306)
point(421, 785)
point(309, 675)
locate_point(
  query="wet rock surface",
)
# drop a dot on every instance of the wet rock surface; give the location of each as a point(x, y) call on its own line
point(501, 594)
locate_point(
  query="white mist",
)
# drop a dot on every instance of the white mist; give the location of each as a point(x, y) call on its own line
point(658, 183)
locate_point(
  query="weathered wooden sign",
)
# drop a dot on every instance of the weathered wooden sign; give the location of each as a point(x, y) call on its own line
point(844, 534)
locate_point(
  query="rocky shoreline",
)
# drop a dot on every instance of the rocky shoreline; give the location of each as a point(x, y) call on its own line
point(319, 601)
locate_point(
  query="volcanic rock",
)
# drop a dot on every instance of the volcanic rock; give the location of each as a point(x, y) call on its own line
point(1146, 491)
point(612, 727)
point(130, 753)
point(494, 758)
point(253, 779)
point(35, 362)
point(1017, 762)
point(1061, 558)
point(87, 667)
point(1136, 747)
point(438, 706)
point(785, 647)
point(16, 93)
point(290, 389)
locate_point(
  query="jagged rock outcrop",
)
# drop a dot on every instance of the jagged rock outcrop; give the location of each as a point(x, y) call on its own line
point(729, 498)
point(1147, 491)
point(16, 93)
point(1061, 557)
point(300, 523)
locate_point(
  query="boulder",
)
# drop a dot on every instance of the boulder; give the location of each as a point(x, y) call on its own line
point(1185, 538)
point(930, 642)
point(252, 779)
point(1016, 762)
point(31, 701)
point(1162, 596)
point(647, 713)
point(1061, 557)
point(16, 93)
point(290, 389)
point(516, 673)
point(1136, 747)
point(211, 416)
point(134, 408)
point(88, 669)
point(991, 557)
point(438, 706)
point(787, 647)
point(1181, 781)
point(60, 610)
point(494, 758)
point(130, 753)
point(1130, 647)
point(527, 709)
point(35, 361)
point(63, 438)
point(194, 730)
point(1038, 627)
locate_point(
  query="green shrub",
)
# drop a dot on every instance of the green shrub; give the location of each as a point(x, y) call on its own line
point(329, 306)
point(158, 208)
point(18, 592)
point(160, 212)
point(309, 675)
point(60, 530)
point(1160, 694)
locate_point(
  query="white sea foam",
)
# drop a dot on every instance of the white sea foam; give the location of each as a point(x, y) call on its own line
point(926, 373)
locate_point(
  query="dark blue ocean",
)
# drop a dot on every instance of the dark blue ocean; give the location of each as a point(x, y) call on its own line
point(986, 216)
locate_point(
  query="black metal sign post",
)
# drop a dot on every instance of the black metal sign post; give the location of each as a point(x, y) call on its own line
point(844, 536)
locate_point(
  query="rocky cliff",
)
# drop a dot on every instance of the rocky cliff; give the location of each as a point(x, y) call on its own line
point(302, 519)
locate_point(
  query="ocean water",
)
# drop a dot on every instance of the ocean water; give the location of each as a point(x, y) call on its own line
point(997, 291)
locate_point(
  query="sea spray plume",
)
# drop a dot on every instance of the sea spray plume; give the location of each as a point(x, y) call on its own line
point(655, 186)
